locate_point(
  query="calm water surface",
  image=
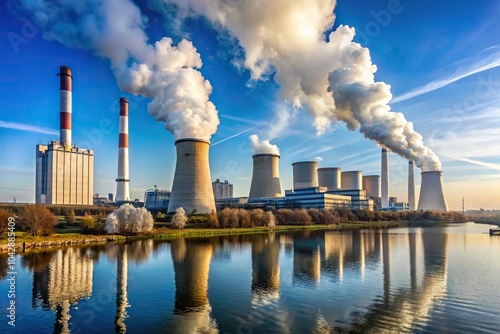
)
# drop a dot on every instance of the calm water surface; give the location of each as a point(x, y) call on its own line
point(407, 280)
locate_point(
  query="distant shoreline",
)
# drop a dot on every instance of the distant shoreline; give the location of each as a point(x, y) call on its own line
point(62, 240)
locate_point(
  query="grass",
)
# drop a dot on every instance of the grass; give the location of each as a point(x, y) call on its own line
point(71, 233)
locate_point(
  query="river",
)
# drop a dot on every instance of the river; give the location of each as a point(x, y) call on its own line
point(436, 279)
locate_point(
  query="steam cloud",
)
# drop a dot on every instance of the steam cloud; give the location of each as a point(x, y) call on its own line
point(263, 146)
point(331, 76)
point(164, 72)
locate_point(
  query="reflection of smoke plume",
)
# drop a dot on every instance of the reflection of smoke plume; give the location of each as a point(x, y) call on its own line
point(164, 72)
point(263, 146)
point(332, 77)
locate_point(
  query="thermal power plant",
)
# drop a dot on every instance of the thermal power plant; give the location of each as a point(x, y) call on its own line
point(352, 180)
point(265, 177)
point(122, 181)
point(192, 186)
point(222, 189)
point(432, 192)
point(385, 178)
point(371, 183)
point(64, 172)
point(305, 174)
point(330, 178)
point(411, 186)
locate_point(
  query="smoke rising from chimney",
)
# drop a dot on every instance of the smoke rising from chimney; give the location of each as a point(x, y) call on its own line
point(331, 76)
point(166, 73)
point(263, 146)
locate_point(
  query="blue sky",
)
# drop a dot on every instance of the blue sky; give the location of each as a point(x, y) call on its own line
point(441, 60)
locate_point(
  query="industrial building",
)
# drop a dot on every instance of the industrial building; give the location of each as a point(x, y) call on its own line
point(64, 172)
point(265, 176)
point(222, 189)
point(157, 199)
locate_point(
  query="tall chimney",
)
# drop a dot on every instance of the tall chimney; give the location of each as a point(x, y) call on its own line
point(65, 104)
point(385, 178)
point(265, 177)
point(123, 181)
point(192, 186)
point(411, 185)
point(432, 192)
point(305, 174)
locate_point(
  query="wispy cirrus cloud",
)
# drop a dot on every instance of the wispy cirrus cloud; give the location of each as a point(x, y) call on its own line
point(487, 63)
point(27, 127)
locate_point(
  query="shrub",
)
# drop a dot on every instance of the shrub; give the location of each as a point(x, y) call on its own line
point(127, 219)
point(269, 219)
point(90, 225)
point(38, 220)
point(179, 219)
point(258, 217)
point(4, 220)
point(70, 217)
point(213, 220)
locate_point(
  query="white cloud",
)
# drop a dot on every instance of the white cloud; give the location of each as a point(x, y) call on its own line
point(479, 66)
point(27, 127)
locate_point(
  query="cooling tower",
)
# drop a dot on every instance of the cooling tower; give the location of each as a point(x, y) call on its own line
point(65, 104)
point(371, 183)
point(192, 186)
point(432, 192)
point(305, 174)
point(122, 181)
point(265, 177)
point(352, 180)
point(411, 186)
point(330, 178)
point(385, 178)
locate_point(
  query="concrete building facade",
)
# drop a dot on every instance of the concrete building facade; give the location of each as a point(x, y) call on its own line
point(222, 189)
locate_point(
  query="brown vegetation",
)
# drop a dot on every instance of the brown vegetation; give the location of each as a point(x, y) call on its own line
point(38, 220)
point(4, 220)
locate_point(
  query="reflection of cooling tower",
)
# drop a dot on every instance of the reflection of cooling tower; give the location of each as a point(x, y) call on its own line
point(385, 178)
point(411, 186)
point(305, 174)
point(122, 181)
point(265, 177)
point(265, 264)
point(432, 192)
point(352, 180)
point(329, 178)
point(191, 259)
point(306, 263)
point(371, 183)
point(192, 187)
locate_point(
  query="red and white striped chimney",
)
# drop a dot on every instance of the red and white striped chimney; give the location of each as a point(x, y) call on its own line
point(65, 104)
point(122, 186)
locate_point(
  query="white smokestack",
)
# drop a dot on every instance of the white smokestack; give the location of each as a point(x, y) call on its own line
point(411, 185)
point(192, 186)
point(330, 75)
point(432, 192)
point(385, 178)
point(123, 181)
point(65, 98)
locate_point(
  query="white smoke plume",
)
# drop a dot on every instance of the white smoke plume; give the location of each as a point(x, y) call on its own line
point(164, 72)
point(263, 146)
point(331, 76)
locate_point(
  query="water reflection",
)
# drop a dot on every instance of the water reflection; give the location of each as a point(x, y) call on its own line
point(61, 278)
point(376, 281)
point(191, 259)
point(404, 309)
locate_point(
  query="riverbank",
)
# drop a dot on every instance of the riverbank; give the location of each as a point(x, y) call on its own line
point(26, 243)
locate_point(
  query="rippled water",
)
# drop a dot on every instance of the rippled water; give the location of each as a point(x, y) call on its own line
point(407, 280)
